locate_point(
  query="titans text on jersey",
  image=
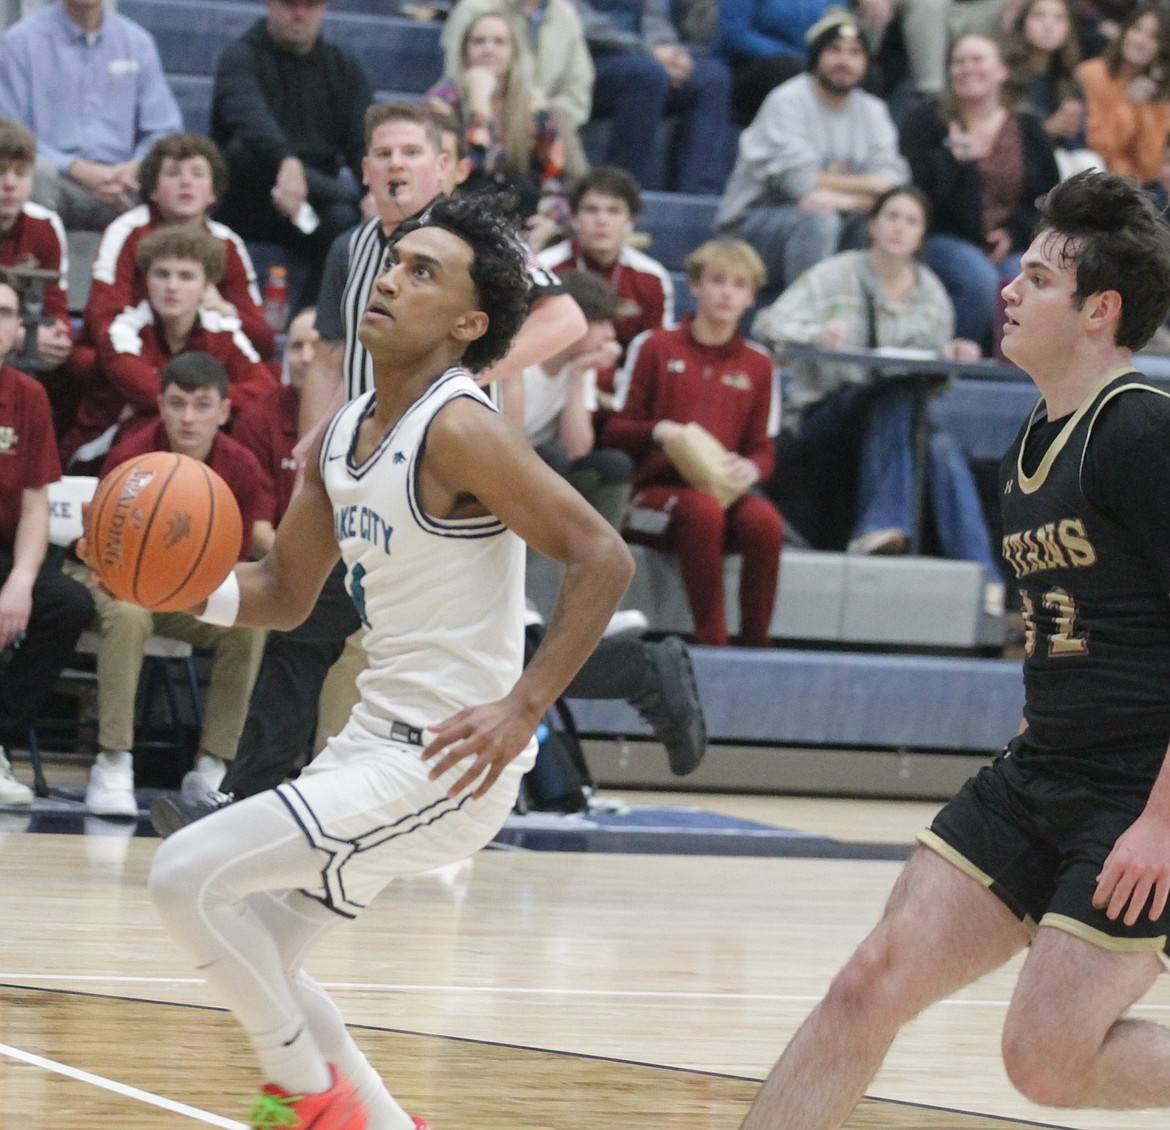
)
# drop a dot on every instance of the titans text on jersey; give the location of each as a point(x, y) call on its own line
point(1055, 545)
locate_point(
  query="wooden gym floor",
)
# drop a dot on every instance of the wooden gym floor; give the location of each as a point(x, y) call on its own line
point(533, 990)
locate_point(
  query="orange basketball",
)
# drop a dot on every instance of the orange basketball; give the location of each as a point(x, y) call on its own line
point(163, 531)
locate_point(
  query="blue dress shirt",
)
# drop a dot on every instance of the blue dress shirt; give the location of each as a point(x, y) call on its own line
point(99, 95)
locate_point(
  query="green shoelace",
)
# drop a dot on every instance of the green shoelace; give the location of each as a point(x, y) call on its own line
point(270, 1112)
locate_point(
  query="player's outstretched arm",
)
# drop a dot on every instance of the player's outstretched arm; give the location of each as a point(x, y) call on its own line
point(475, 454)
point(554, 323)
point(280, 590)
point(1137, 873)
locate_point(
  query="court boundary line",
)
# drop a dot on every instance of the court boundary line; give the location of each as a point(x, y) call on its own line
point(124, 1089)
point(518, 990)
point(520, 1047)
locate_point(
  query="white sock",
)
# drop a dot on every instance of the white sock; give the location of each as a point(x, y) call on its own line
point(339, 1048)
point(385, 1113)
point(290, 1058)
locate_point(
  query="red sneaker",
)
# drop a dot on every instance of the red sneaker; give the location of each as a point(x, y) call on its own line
point(335, 1109)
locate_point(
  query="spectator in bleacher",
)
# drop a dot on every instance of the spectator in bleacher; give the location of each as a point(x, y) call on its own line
point(765, 42)
point(560, 397)
point(983, 166)
point(287, 113)
point(644, 74)
point(1127, 93)
point(89, 85)
point(844, 416)
point(42, 612)
point(706, 372)
point(32, 236)
point(182, 177)
point(818, 155)
point(1041, 54)
point(562, 68)
point(193, 405)
point(606, 203)
point(405, 169)
point(122, 390)
point(511, 136)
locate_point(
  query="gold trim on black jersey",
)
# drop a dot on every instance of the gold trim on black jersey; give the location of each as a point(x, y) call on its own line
point(1029, 484)
point(1105, 400)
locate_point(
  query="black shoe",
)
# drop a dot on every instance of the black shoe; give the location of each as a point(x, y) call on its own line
point(171, 811)
point(671, 705)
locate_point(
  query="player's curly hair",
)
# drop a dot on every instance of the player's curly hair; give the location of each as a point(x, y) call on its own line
point(1110, 230)
point(487, 224)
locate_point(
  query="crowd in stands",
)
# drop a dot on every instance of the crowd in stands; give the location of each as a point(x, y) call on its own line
point(878, 167)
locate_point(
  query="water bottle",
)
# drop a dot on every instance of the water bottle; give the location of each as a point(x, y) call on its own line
point(276, 298)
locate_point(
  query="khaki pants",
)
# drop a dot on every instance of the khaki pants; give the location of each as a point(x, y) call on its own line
point(924, 32)
point(125, 628)
point(974, 17)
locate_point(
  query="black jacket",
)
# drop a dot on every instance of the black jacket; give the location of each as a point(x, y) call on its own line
point(954, 186)
point(269, 104)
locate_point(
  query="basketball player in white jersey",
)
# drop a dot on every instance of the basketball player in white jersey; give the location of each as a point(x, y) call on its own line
point(428, 492)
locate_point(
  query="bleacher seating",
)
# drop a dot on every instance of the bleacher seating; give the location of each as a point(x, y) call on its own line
point(193, 94)
point(842, 699)
point(190, 37)
point(984, 416)
point(834, 598)
point(369, 7)
point(676, 223)
point(400, 54)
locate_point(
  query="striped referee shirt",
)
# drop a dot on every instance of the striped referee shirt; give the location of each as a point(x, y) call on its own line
point(355, 260)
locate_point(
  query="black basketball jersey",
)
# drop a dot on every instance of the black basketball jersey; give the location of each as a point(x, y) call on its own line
point(1096, 605)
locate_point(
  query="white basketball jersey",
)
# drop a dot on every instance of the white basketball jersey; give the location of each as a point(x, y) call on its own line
point(442, 601)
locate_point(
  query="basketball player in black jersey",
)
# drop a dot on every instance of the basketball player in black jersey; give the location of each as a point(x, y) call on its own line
point(1063, 844)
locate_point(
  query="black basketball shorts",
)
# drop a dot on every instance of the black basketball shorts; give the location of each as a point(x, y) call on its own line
point(1036, 832)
